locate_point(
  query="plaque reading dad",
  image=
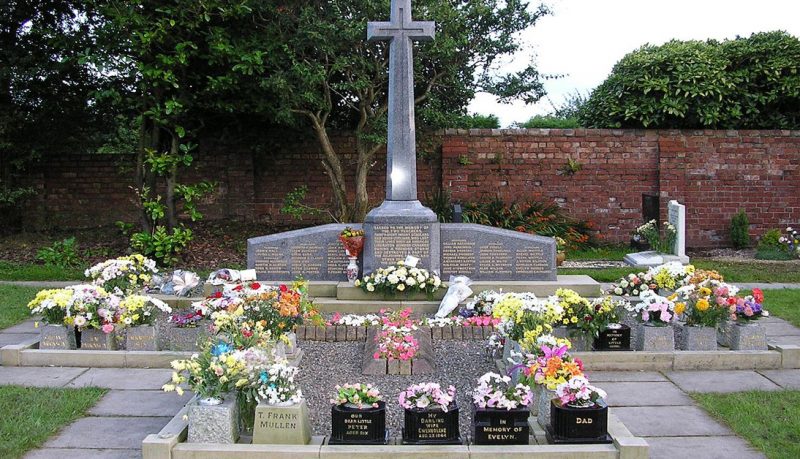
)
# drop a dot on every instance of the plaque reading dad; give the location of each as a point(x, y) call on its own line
point(501, 427)
point(431, 427)
point(353, 426)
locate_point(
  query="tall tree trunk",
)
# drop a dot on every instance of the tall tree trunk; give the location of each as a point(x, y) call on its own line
point(333, 166)
point(363, 166)
point(172, 178)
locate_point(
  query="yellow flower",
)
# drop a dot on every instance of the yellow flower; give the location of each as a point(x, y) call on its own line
point(574, 320)
point(179, 390)
point(702, 304)
point(679, 308)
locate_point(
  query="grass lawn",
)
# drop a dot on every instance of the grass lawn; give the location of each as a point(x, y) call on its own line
point(33, 272)
point(610, 252)
point(14, 304)
point(31, 414)
point(770, 421)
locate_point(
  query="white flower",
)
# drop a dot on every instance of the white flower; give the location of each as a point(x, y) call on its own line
point(393, 279)
point(410, 281)
point(401, 287)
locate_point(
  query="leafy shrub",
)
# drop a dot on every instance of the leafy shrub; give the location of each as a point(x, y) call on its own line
point(550, 122)
point(546, 219)
point(746, 83)
point(770, 248)
point(161, 245)
point(439, 202)
point(62, 254)
point(477, 121)
point(740, 230)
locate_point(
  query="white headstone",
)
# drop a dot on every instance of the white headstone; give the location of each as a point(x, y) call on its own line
point(676, 215)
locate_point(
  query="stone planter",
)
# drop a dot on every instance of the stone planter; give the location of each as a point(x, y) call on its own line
point(494, 426)
point(186, 338)
point(286, 425)
point(724, 333)
point(214, 423)
point(509, 347)
point(142, 338)
point(578, 425)
point(93, 339)
point(655, 339)
point(543, 398)
point(748, 336)
point(56, 337)
point(354, 426)
point(694, 338)
point(431, 426)
point(579, 341)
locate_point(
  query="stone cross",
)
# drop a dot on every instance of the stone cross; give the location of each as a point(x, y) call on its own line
point(401, 154)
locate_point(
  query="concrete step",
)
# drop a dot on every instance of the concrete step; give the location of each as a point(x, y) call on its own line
point(331, 305)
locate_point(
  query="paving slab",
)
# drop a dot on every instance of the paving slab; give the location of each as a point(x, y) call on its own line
point(39, 376)
point(625, 376)
point(705, 447)
point(773, 340)
point(781, 329)
point(107, 433)
point(720, 381)
point(643, 394)
point(140, 403)
point(82, 453)
point(675, 421)
point(124, 378)
point(788, 379)
point(28, 326)
point(15, 338)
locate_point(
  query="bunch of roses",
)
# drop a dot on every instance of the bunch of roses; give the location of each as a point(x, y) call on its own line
point(655, 309)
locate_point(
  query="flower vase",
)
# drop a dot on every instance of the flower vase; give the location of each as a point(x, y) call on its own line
point(499, 426)
point(214, 420)
point(352, 270)
point(284, 423)
point(694, 338)
point(351, 425)
point(655, 338)
point(93, 339)
point(543, 398)
point(747, 336)
point(247, 412)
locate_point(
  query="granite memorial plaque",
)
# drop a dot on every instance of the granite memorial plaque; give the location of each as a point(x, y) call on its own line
point(354, 426)
point(676, 215)
point(616, 338)
point(97, 340)
point(286, 425)
point(314, 253)
point(572, 425)
point(485, 253)
point(431, 427)
point(501, 427)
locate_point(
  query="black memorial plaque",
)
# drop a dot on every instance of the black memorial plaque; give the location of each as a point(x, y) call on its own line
point(431, 427)
point(501, 427)
point(578, 425)
point(354, 426)
point(614, 339)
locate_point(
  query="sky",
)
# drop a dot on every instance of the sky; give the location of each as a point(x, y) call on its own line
point(583, 39)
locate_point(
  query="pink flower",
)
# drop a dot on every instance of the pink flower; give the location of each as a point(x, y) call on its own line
point(108, 328)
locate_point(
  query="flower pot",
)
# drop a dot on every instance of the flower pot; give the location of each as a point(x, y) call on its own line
point(352, 270)
point(578, 424)
point(494, 426)
point(354, 426)
point(543, 398)
point(93, 339)
point(286, 425)
point(747, 336)
point(724, 333)
point(431, 426)
point(186, 338)
point(214, 420)
point(655, 338)
point(53, 336)
point(560, 257)
point(617, 337)
point(141, 338)
point(578, 341)
point(695, 338)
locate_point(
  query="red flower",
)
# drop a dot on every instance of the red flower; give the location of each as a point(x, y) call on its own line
point(238, 288)
point(758, 295)
point(255, 286)
point(217, 295)
point(284, 288)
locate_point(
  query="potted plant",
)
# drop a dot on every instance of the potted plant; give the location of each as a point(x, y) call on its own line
point(94, 313)
point(744, 333)
point(280, 399)
point(551, 366)
point(353, 242)
point(500, 411)
point(52, 306)
point(579, 414)
point(655, 314)
point(358, 416)
point(704, 307)
point(431, 415)
point(137, 315)
point(561, 250)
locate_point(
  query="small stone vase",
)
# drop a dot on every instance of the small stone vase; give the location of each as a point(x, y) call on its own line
point(655, 339)
point(695, 338)
point(747, 336)
point(93, 339)
point(352, 270)
point(544, 397)
point(214, 420)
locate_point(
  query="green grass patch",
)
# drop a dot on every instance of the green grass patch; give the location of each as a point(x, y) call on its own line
point(600, 275)
point(33, 272)
point(610, 252)
point(770, 421)
point(14, 304)
point(32, 414)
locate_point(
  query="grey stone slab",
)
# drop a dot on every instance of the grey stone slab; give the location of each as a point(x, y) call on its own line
point(720, 381)
point(82, 453)
point(484, 254)
point(15, 338)
point(643, 394)
point(314, 253)
point(777, 340)
point(780, 329)
point(23, 327)
point(123, 378)
point(788, 379)
point(140, 403)
point(701, 447)
point(624, 376)
point(107, 432)
point(397, 229)
point(669, 421)
point(39, 376)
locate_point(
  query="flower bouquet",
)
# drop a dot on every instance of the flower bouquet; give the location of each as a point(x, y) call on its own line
point(654, 310)
point(427, 396)
point(633, 285)
point(496, 392)
point(353, 241)
point(579, 414)
point(742, 332)
point(400, 279)
point(545, 371)
point(791, 242)
point(670, 276)
point(499, 406)
point(123, 275)
point(749, 308)
point(357, 396)
point(427, 405)
point(277, 385)
point(211, 374)
point(578, 393)
point(481, 304)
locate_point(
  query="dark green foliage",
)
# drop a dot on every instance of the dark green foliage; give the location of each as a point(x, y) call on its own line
point(740, 230)
point(770, 248)
point(476, 121)
point(439, 202)
point(546, 219)
point(550, 122)
point(746, 83)
point(62, 254)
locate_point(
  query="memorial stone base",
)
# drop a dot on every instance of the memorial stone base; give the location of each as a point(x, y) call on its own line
point(287, 425)
point(214, 423)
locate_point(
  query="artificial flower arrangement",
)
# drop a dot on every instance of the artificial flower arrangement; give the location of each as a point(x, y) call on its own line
point(211, 373)
point(522, 314)
point(396, 343)
point(135, 310)
point(633, 285)
point(427, 396)
point(749, 308)
point(553, 366)
point(84, 306)
point(495, 391)
point(357, 395)
point(399, 279)
point(670, 275)
point(654, 309)
point(276, 385)
point(578, 393)
point(481, 304)
point(188, 319)
point(705, 304)
point(352, 240)
point(123, 275)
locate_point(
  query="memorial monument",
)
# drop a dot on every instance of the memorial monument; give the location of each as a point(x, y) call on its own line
point(676, 216)
point(401, 225)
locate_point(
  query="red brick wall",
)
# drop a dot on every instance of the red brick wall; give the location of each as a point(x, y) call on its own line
point(713, 172)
